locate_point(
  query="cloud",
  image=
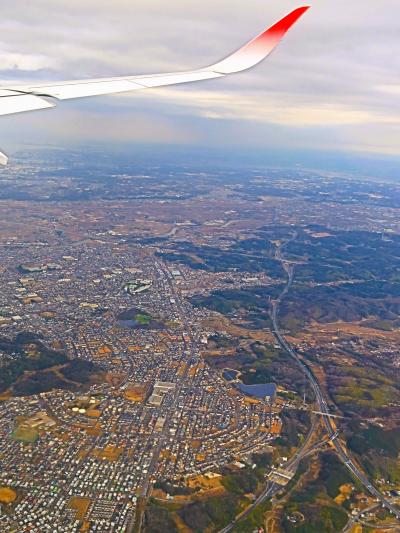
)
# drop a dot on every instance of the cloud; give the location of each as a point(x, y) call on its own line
point(254, 107)
point(332, 82)
point(26, 62)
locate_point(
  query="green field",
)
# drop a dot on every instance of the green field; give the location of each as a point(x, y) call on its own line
point(143, 319)
point(315, 500)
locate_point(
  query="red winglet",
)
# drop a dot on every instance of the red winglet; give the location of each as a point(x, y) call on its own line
point(260, 47)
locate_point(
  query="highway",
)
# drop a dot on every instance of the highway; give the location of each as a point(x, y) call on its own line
point(319, 395)
point(271, 487)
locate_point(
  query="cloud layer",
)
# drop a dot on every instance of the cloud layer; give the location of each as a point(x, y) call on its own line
point(332, 84)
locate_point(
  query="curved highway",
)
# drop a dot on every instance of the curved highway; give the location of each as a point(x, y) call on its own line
point(319, 395)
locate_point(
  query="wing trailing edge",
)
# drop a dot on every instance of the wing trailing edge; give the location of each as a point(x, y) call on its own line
point(16, 102)
point(246, 57)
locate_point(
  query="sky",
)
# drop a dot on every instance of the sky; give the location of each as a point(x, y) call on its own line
point(332, 84)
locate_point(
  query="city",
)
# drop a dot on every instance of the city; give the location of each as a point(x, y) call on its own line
point(123, 386)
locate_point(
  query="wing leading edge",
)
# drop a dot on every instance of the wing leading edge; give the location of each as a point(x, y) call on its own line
point(17, 99)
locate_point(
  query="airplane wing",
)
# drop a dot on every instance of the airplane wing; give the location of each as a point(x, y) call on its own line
point(21, 98)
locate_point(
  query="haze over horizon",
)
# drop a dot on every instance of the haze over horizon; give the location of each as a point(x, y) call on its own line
point(331, 85)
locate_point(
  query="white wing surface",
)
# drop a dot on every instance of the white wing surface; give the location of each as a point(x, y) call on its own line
point(17, 99)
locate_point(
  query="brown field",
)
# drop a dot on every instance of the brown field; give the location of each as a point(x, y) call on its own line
point(192, 371)
point(166, 454)
point(205, 483)
point(5, 396)
point(25, 434)
point(134, 348)
point(80, 505)
point(7, 495)
point(337, 330)
point(344, 493)
point(136, 392)
point(250, 401)
point(224, 325)
point(181, 370)
point(93, 413)
point(133, 396)
point(276, 427)
point(109, 453)
point(102, 352)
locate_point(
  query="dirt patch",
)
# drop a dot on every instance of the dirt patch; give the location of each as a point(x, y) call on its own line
point(80, 505)
point(7, 495)
point(109, 453)
point(344, 493)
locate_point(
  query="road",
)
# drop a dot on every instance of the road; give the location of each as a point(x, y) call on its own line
point(171, 407)
point(319, 395)
point(358, 519)
point(271, 487)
